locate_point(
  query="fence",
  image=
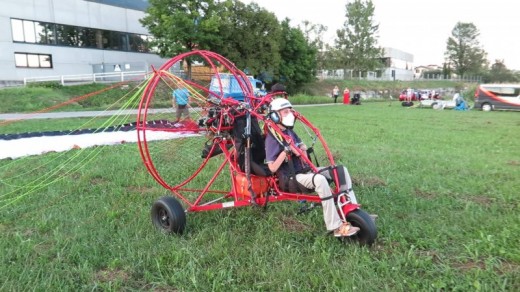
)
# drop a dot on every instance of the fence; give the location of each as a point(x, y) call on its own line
point(91, 78)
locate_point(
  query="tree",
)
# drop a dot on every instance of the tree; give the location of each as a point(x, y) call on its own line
point(180, 26)
point(298, 64)
point(499, 73)
point(356, 47)
point(314, 37)
point(250, 37)
point(463, 49)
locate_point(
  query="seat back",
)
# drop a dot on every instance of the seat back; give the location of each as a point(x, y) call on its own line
point(257, 154)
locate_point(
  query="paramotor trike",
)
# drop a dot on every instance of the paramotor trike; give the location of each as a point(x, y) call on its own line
point(215, 159)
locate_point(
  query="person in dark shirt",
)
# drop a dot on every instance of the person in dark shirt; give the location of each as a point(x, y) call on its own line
point(277, 160)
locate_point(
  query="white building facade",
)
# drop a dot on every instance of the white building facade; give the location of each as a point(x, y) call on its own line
point(399, 65)
point(66, 37)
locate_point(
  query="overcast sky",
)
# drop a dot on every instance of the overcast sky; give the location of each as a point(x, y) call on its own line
point(419, 27)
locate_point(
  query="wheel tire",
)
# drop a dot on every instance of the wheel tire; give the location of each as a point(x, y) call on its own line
point(486, 107)
point(168, 215)
point(368, 231)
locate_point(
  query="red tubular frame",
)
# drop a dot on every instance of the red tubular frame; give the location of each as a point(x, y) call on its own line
point(229, 198)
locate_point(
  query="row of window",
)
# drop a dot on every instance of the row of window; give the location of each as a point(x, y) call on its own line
point(129, 4)
point(30, 60)
point(28, 31)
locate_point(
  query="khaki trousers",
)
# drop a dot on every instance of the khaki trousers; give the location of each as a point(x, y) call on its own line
point(319, 183)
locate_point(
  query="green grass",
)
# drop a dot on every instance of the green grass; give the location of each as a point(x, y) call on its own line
point(444, 184)
point(42, 96)
point(66, 98)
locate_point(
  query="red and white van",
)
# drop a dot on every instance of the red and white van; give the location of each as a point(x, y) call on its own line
point(497, 97)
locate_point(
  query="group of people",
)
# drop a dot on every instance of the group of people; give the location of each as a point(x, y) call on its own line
point(335, 93)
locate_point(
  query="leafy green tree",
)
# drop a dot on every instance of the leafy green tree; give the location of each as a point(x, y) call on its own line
point(298, 57)
point(463, 49)
point(314, 37)
point(356, 47)
point(499, 73)
point(180, 26)
point(249, 37)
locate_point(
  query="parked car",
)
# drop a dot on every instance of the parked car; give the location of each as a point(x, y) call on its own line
point(415, 95)
point(429, 94)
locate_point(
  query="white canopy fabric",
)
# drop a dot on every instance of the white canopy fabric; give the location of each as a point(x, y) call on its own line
point(39, 145)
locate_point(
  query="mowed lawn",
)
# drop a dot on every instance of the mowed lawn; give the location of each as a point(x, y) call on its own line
point(445, 185)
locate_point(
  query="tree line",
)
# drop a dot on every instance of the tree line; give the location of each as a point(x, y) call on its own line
point(275, 51)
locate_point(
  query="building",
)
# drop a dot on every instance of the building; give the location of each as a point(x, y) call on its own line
point(420, 70)
point(398, 65)
point(64, 37)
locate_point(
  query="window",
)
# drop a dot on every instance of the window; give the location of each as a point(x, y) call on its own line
point(128, 4)
point(27, 31)
point(45, 33)
point(28, 60)
point(17, 29)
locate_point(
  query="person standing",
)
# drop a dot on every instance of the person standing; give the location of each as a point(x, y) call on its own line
point(335, 93)
point(180, 100)
point(346, 96)
point(409, 95)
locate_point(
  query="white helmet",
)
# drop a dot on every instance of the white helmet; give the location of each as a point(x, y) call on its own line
point(280, 103)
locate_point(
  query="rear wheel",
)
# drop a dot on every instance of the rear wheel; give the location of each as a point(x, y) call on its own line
point(486, 107)
point(168, 215)
point(368, 231)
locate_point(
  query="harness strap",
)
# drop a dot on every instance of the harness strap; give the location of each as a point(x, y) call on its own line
point(310, 151)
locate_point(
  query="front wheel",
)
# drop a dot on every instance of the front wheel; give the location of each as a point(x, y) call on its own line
point(368, 231)
point(168, 215)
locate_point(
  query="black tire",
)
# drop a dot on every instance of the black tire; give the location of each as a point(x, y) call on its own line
point(368, 233)
point(168, 215)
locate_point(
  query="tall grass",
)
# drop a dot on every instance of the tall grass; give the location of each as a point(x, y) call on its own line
point(444, 184)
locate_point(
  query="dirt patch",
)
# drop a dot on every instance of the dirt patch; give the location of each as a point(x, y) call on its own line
point(513, 162)
point(112, 275)
point(385, 246)
point(291, 224)
point(481, 200)
point(504, 267)
point(97, 181)
point(425, 195)
point(434, 255)
point(470, 265)
point(368, 181)
point(141, 190)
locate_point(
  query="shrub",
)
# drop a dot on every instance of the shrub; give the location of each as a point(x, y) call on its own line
point(46, 84)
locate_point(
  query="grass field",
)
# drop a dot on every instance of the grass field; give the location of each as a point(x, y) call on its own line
point(444, 184)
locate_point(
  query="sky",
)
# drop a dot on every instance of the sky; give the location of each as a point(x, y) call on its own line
point(419, 27)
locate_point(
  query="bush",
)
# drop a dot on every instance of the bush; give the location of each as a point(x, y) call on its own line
point(46, 84)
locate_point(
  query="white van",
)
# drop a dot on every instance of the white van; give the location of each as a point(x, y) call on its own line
point(497, 97)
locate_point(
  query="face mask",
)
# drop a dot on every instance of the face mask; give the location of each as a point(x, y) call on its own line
point(288, 120)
